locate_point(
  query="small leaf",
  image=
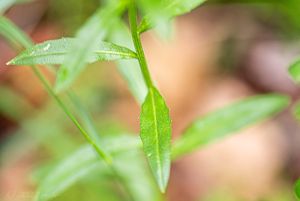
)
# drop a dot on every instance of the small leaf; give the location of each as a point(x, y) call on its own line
point(95, 29)
point(155, 131)
point(79, 164)
point(227, 121)
point(55, 52)
point(294, 71)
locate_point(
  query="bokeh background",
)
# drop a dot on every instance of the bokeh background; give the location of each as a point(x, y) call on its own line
point(219, 53)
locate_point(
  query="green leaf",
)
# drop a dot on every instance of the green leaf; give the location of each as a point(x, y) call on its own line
point(55, 52)
point(155, 133)
point(297, 189)
point(297, 111)
point(80, 164)
point(95, 29)
point(294, 71)
point(159, 13)
point(67, 173)
point(180, 7)
point(226, 121)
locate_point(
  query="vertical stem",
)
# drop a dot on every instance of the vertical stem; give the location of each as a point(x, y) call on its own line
point(138, 45)
point(69, 114)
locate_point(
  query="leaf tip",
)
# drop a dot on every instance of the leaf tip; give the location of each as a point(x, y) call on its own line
point(11, 62)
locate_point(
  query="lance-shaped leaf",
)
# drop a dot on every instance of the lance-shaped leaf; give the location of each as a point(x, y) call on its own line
point(297, 189)
point(294, 71)
point(79, 164)
point(55, 52)
point(155, 125)
point(94, 30)
point(227, 121)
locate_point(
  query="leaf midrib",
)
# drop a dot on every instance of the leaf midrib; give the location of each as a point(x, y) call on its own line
point(121, 53)
point(158, 159)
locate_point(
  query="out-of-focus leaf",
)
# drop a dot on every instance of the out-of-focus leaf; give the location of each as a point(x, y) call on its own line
point(227, 121)
point(55, 51)
point(180, 7)
point(79, 164)
point(95, 29)
point(294, 71)
point(68, 172)
point(13, 34)
point(129, 69)
point(297, 110)
point(12, 105)
point(162, 11)
point(136, 176)
point(297, 189)
point(20, 38)
point(155, 133)
point(6, 4)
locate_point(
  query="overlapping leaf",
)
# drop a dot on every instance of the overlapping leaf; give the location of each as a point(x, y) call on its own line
point(227, 121)
point(55, 52)
point(94, 30)
point(158, 13)
point(155, 133)
point(128, 164)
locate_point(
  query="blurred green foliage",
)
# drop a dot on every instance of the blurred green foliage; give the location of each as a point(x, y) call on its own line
point(46, 133)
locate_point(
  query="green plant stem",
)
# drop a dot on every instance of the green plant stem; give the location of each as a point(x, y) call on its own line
point(138, 45)
point(45, 83)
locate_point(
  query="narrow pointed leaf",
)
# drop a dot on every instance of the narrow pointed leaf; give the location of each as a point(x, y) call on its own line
point(55, 52)
point(79, 164)
point(95, 29)
point(20, 38)
point(228, 121)
point(155, 133)
point(294, 71)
